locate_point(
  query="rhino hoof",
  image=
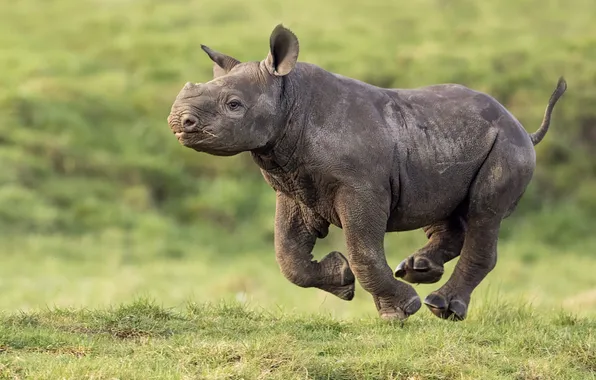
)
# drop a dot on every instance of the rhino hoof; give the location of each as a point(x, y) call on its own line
point(400, 313)
point(345, 292)
point(413, 306)
point(336, 262)
point(419, 270)
point(455, 309)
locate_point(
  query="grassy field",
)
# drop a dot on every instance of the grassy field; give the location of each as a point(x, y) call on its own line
point(213, 317)
point(98, 273)
point(144, 341)
point(101, 207)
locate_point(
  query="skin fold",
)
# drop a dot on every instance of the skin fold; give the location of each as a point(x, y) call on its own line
point(443, 158)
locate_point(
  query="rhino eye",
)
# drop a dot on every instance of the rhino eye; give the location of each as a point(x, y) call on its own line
point(234, 105)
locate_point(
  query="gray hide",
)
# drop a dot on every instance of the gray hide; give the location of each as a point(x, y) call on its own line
point(444, 158)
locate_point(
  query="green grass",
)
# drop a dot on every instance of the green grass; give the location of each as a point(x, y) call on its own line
point(144, 341)
point(87, 86)
point(57, 274)
point(97, 270)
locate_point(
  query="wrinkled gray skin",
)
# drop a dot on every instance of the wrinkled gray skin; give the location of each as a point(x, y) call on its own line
point(369, 160)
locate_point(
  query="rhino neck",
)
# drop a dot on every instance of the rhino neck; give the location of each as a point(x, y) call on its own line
point(279, 157)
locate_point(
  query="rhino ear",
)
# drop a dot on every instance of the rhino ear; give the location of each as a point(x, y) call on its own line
point(283, 51)
point(222, 64)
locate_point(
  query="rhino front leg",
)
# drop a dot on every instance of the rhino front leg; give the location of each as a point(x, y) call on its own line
point(426, 266)
point(294, 243)
point(364, 222)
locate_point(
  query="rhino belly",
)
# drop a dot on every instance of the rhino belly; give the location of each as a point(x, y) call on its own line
point(426, 198)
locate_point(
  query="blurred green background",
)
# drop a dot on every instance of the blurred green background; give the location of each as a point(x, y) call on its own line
point(100, 204)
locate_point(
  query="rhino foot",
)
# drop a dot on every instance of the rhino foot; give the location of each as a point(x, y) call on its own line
point(335, 263)
point(452, 308)
point(419, 270)
point(388, 311)
point(345, 292)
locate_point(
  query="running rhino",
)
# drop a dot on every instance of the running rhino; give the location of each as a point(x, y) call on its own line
point(369, 160)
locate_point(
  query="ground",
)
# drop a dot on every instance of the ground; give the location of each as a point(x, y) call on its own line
point(144, 341)
point(199, 316)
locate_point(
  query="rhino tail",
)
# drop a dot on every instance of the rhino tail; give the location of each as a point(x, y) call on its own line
point(537, 136)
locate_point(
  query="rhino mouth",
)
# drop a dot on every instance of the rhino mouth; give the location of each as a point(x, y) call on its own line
point(200, 139)
point(204, 132)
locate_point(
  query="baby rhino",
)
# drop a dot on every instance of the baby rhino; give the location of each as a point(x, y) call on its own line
point(369, 160)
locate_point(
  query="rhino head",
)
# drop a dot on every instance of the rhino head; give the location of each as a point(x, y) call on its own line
point(243, 107)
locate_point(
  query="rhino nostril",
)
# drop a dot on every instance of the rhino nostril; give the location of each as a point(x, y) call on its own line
point(189, 123)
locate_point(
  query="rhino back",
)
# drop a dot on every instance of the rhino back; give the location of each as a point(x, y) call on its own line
point(447, 134)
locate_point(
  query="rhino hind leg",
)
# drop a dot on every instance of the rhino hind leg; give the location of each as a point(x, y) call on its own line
point(499, 184)
point(446, 239)
point(478, 258)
